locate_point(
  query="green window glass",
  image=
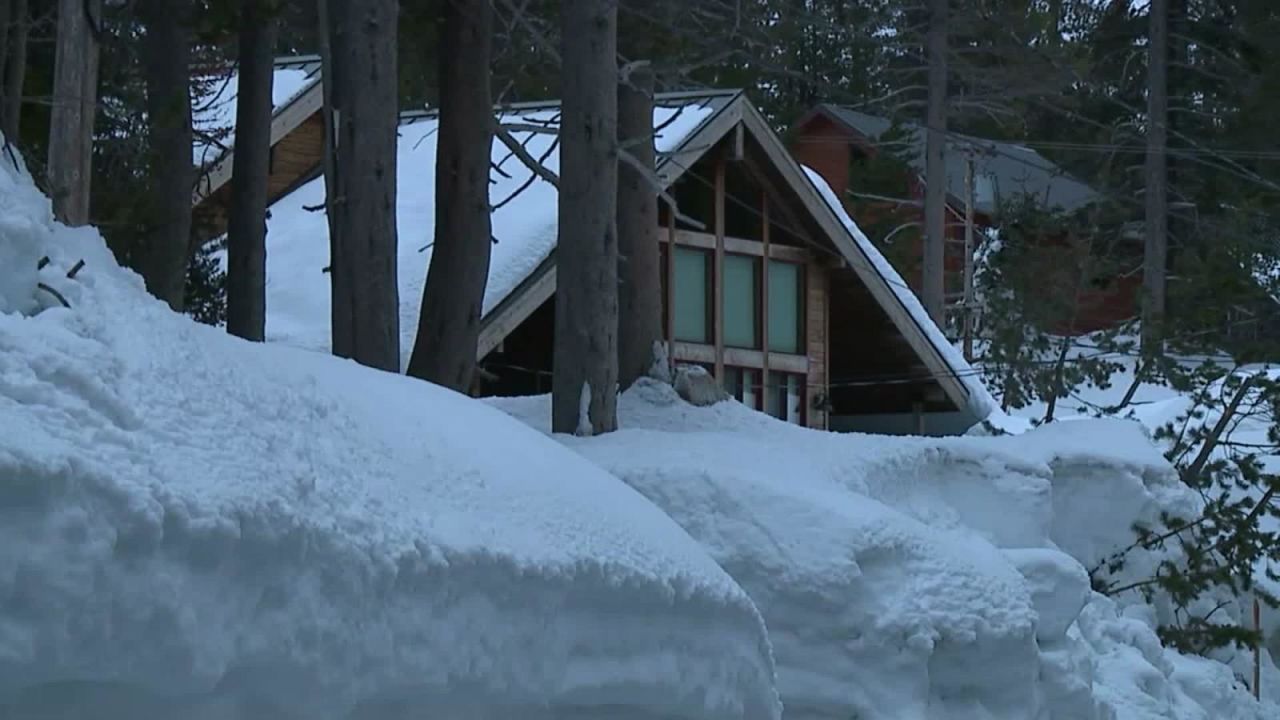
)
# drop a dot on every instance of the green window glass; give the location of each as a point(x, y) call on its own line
point(741, 296)
point(784, 307)
point(691, 295)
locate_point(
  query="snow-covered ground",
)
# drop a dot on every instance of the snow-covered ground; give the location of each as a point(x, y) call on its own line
point(924, 578)
point(196, 526)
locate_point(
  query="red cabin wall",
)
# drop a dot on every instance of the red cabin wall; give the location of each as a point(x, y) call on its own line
point(827, 147)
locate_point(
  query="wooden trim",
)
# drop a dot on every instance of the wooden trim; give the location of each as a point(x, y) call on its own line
point(777, 362)
point(693, 352)
point(692, 238)
point(741, 246)
point(717, 286)
point(517, 308)
point(764, 279)
point(670, 270)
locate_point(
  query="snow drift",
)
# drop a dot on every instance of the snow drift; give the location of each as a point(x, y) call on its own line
point(191, 525)
point(914, 578)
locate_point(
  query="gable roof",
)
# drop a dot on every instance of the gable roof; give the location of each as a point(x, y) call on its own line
point(295, 95)
point(522, 269)
point(1002, 170)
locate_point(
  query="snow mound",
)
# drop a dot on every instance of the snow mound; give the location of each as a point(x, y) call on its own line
point(192, 524)
point(20, 235)
point(918, 578)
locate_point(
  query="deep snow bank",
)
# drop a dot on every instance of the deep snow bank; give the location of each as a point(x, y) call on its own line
point(191, 523)
point(921, 578)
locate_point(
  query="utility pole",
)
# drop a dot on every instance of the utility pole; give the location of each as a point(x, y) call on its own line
point(968, 256)
point(1155, 252)
point(935, 198)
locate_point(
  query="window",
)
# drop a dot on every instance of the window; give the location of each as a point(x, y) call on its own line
point(783, 397)
point(692, 282)
point(784, 307)
point(743, 384)
point(741, 298)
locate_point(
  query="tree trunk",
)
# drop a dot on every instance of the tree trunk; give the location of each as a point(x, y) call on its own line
point(1157, 206)
point(6, 10)
point(75, 100)
point(639, 274)
point(15, 70)
point(935, 198)
point(247, 221)
point(339, 315)
point(363, 106)
point(585, 379)
point(449, 325)
point(166, 62)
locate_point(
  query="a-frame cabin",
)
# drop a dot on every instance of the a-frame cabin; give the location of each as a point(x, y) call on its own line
point(766, 282)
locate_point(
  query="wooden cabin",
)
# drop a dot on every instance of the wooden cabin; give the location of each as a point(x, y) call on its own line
point(839, 143)
point(765, 283)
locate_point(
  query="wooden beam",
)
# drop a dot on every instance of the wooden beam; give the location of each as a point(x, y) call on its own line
point(764, 284)
point(693, 352)
point(741, 246)
point(718, 275)
point(739, 147)
point(670, 304)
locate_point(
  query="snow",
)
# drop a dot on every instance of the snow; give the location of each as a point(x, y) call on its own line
point(981, 404)
point(923, 578)
point(213, 116)
point(193, 525)
point(524, 228)
point(584, 410)
point(20, 235)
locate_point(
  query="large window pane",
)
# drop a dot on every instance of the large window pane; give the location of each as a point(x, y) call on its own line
point(784, 307)
point(691, 295)
point(741, 296)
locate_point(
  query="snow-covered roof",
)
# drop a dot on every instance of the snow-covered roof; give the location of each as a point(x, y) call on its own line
point(188, 518)
point(524, 227)
point(1002, 170)
point(524, 219)
point(981, 404)
point(213, 114)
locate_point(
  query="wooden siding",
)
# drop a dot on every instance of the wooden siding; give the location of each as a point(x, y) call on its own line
point(816, 307)
point(295, 159)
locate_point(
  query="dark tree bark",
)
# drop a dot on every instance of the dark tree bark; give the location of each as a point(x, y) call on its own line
point(15, 69)
point(362, 99)
point(75, 102)
point(250, 168)
point(449, 325)
point(6, 10)
point(935, 197)
point(585, 378)
point(639, 272)
point(339, 316)
point(1157, 203)
point(166, 62)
